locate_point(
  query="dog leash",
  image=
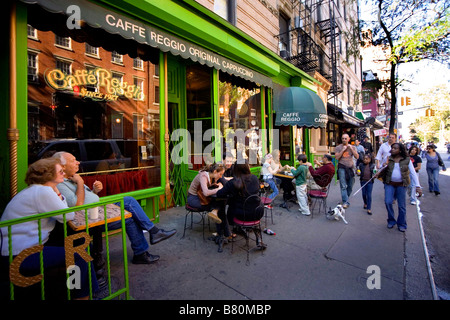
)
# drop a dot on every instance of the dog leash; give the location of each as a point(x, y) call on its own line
point(374, 176)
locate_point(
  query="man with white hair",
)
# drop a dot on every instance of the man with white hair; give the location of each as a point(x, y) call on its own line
point(385, 151)
point(77, 193)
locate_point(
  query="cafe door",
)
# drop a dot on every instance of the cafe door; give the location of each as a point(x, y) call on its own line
point(176, 119)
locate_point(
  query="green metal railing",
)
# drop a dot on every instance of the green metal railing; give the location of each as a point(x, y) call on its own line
point(38, 217)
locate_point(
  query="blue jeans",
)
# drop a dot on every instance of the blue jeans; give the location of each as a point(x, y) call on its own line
point(399, 193)
point(274, 188)
point(367, 193)
point(412, 189)
point(433, 179)
point(134, 226)
point(54, 257)
point(346, 185)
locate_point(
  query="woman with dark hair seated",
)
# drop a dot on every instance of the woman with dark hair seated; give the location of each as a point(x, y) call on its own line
point(243, 185)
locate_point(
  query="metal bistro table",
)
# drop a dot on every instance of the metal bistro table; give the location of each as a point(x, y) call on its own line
point(79, 224)
point(288, 189)
point(219, 239)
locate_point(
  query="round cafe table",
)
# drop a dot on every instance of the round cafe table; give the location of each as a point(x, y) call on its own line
point(288, 188)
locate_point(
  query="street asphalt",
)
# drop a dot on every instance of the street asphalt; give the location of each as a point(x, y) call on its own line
point(309, 258)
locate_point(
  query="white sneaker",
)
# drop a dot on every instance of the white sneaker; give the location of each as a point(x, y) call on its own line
point(413, 203)
point(306, 214)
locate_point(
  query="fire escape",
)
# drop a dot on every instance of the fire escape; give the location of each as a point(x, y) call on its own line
point(309, 55)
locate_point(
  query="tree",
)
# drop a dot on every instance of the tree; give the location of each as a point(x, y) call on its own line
point(414, 30)
point(435, 127)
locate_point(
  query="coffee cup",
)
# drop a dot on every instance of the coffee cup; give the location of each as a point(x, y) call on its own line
point(93, 213)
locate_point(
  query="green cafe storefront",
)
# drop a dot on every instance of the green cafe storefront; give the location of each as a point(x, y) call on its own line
point(143, 95)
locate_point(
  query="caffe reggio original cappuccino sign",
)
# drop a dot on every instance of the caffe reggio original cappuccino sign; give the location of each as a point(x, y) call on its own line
point(115, 23)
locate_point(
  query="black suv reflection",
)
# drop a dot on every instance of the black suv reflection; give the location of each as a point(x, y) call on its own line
point(94, 155)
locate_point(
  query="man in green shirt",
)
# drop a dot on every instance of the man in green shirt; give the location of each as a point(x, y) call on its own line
point(300, 175)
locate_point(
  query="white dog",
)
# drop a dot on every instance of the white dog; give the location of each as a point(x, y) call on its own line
point(336, 213)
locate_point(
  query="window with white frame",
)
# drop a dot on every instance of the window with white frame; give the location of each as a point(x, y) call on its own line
point(92, 87)
point(64, 42)
point(116, 57)
point(91, 50)
point(32, 66)
point(31, 32)
point(139, 83)
point(138, 63)
point(64, 66)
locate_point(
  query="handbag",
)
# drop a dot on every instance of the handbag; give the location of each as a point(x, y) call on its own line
point(204, 200)
point(440, 162)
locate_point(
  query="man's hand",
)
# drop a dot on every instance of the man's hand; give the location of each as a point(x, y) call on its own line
point(419, 191)
point(77, 179)
point(97, 186)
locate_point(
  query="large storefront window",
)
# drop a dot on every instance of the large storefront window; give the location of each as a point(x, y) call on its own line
point(199, 113)
point(240, 120)
point(92, 94)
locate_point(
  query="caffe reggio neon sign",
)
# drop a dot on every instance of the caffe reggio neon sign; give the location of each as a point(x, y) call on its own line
point(99, 77)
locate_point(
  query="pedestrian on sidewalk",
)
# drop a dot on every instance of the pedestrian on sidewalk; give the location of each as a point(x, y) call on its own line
point(361, 152)
point(345, 153)
point(385, 151)
point(416, 160)
point(396, 178)
point(434, 161)
point(300, 175)
point(366, 171)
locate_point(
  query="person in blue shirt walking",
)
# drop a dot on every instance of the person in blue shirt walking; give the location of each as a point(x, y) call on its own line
point(434, 161)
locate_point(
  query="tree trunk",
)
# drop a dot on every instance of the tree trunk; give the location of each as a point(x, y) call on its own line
point(393, 98)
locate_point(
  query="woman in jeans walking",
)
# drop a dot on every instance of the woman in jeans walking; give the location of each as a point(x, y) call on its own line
point(434, 161)
point(417, 163)
point(396, 178)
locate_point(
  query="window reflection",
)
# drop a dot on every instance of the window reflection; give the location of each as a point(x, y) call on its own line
point(240, 121)
point(96, 103)
point(199, 114)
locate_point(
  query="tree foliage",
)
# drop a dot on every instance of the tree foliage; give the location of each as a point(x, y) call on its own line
point(413, 30)
point(429, 127)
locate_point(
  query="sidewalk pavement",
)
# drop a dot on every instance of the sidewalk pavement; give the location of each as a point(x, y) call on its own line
point(308, 258)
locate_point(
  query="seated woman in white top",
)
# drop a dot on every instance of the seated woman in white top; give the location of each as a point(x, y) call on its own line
point(40, 196)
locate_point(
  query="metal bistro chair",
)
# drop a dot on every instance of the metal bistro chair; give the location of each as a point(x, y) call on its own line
point(190, 211)
point(319, 195)
point(267, 202)
point(253, 207)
